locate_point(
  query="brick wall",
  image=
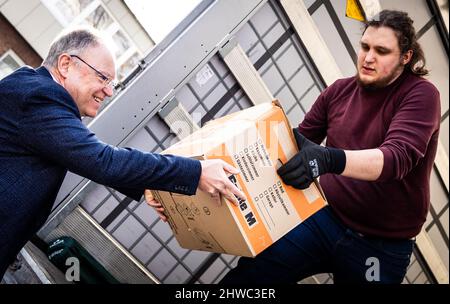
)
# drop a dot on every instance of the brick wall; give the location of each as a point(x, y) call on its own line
point(11, 39)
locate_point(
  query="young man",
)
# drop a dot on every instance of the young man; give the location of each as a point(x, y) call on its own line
point(42, 136)
point(381, 128)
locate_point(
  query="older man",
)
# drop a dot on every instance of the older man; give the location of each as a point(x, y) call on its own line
point(42, 136)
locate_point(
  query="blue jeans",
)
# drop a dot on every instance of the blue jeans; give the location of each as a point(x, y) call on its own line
point(322, 244)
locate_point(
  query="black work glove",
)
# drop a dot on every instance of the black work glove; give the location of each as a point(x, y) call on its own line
point(312, 160)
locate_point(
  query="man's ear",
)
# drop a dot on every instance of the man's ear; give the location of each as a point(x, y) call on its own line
point(406, 57)
point(63, 64)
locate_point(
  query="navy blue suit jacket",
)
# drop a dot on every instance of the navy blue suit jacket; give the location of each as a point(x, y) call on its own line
point(42, 136)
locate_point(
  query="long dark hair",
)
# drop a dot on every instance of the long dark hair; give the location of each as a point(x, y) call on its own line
point(403, 27)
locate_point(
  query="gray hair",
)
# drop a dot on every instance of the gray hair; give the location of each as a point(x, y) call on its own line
point(73, 42)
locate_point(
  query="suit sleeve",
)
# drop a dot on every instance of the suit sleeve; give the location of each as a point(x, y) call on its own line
point(54, 130)
point(134, 193)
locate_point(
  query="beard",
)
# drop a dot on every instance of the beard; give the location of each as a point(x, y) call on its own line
point(382, 82)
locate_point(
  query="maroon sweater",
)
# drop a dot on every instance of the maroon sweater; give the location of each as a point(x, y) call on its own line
point(402, 120)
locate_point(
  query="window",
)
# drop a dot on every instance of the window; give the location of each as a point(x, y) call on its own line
point(99, 19)
point(121, 42)
point(9, 62)
point(126, 67)
point(67, 10)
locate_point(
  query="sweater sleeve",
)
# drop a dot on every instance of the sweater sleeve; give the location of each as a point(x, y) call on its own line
point(410, 131)
point(314, 125)
point(51, 129)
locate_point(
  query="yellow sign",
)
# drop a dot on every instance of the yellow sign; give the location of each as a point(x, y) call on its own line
point(353, 10)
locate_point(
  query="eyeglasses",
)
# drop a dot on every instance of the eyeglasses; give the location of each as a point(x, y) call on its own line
point(106, 81)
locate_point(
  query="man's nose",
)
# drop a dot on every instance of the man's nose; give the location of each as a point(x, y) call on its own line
point(370, 56)
point(108, 90)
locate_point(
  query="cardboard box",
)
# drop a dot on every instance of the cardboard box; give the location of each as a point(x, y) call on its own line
point(256, 141)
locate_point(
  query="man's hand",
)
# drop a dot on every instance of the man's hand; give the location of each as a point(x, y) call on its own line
point(155, 204)
point(312, 161)
point(214, 180)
